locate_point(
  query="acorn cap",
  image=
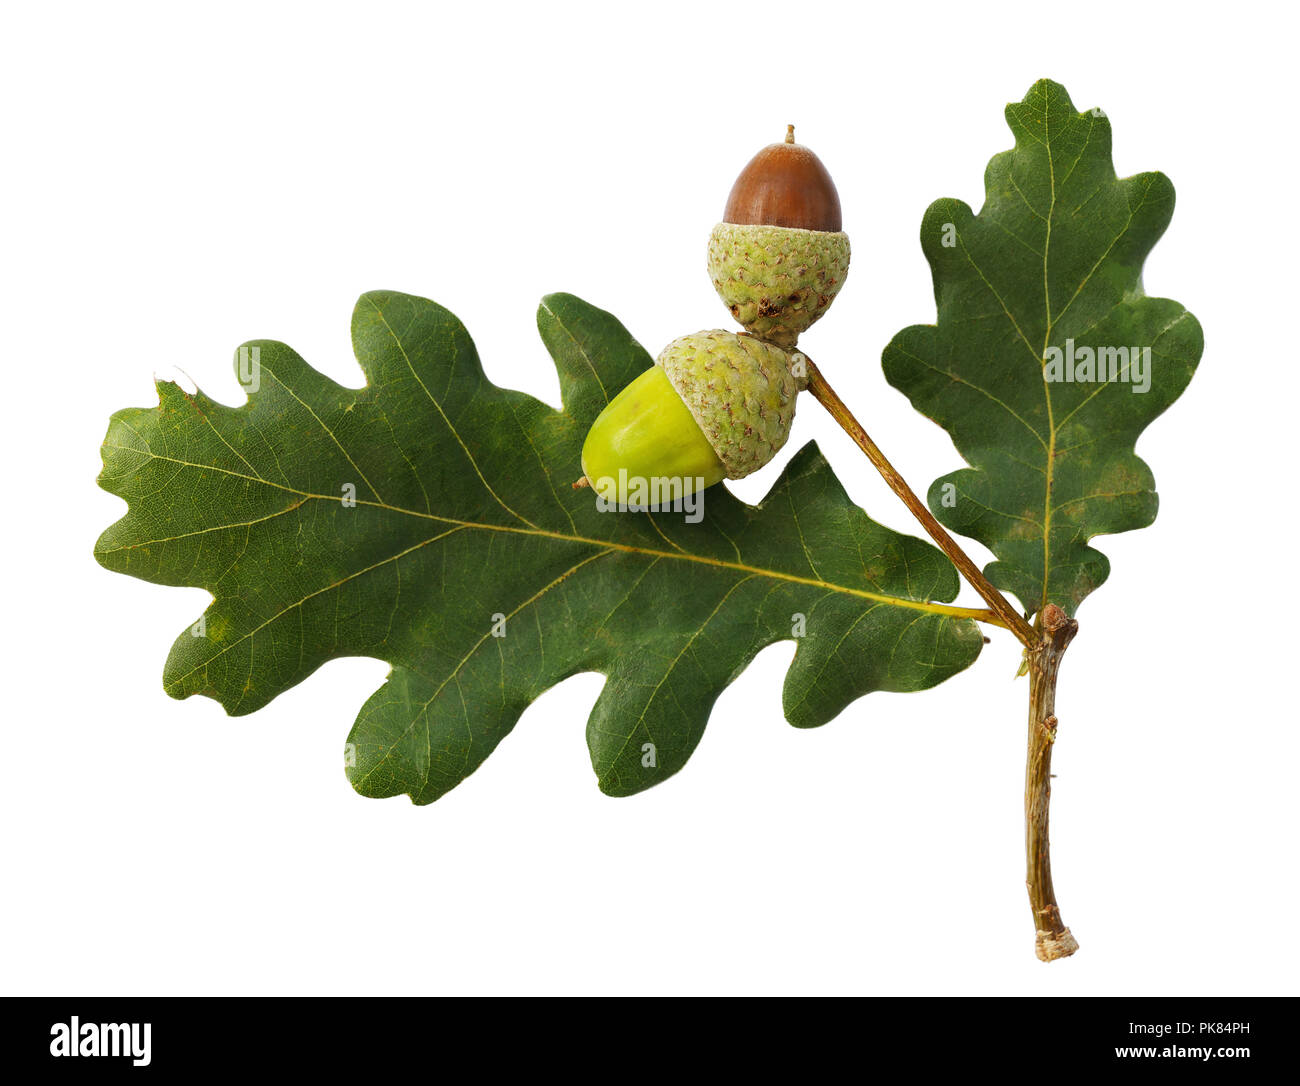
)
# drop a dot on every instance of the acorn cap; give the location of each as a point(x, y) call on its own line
point(740, 390)
point(777, 281)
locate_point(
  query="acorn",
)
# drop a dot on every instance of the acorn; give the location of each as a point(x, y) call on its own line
point(780, 256)
point(716, 405)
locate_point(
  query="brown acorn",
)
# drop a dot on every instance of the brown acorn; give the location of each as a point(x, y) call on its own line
point(779, 257)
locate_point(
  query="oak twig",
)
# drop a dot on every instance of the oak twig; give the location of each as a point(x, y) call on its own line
point(1053, 937)
point(1044, 644)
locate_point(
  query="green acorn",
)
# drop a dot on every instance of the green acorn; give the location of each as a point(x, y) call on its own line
point(779, 257)
point(716, 405)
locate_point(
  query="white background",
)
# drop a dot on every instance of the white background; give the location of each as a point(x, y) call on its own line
point(179, 182)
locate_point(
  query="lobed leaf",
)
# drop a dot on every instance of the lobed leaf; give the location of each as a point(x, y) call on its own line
point(428, 519)
point(1052, 263)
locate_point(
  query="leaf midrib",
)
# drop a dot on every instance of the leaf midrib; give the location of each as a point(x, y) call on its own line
point(679, 555)
point(1047, 339)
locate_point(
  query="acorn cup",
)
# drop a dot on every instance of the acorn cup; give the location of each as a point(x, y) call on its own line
point(718, 405)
